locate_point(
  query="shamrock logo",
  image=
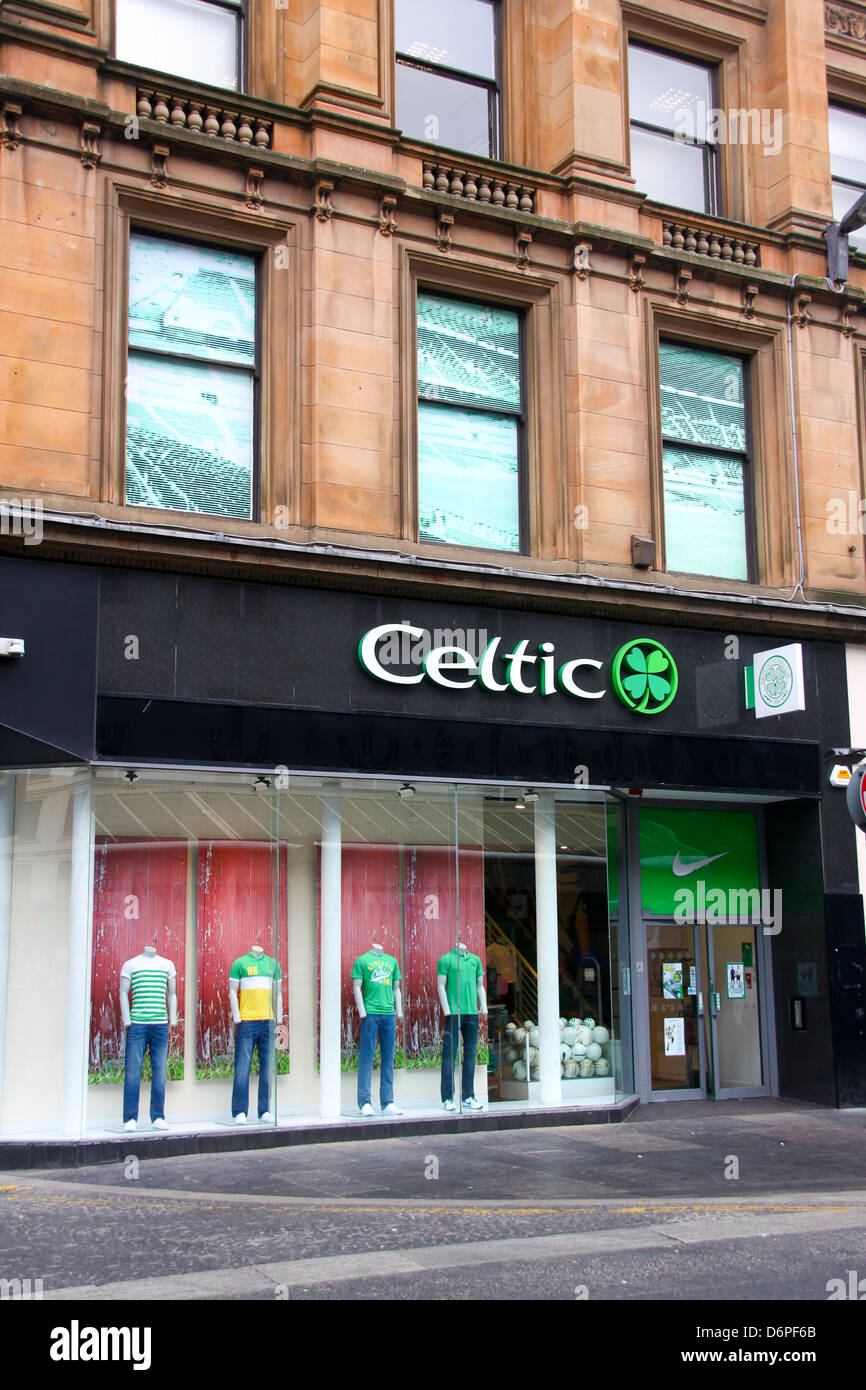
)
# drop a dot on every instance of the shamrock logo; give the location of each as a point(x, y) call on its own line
point(645, 676)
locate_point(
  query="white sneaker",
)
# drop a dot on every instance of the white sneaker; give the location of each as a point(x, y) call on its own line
point(392, 1109)
point(131, 1124)
point(160, 1123)
point(367, 1109)
point(449, 1106)
point(240, 1119)
point(473, 1104)
point(267, 1118)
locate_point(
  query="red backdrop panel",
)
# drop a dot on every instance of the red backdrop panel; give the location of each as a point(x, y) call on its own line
point(139, 899)
point(235, 911)
point(444, 904)
point(385, 886)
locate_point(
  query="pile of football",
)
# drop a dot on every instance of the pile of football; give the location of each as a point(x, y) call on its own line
point(584, 1046)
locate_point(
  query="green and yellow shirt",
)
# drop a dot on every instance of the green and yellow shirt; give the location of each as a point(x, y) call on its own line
point(256, 976)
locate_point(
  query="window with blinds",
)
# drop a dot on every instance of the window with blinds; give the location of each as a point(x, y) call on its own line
point(848, 165)
point(447, 73)
point(191, 378)
point(198, 39)
point(705, 461)
point(470, 423)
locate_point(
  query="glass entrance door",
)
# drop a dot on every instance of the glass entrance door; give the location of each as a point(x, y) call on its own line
point(701, 955)
point(734, 1013)
point(704, 1010)
point(677, 1045)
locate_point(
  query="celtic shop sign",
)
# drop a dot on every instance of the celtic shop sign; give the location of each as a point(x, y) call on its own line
point(774, 684)
point(643, 672)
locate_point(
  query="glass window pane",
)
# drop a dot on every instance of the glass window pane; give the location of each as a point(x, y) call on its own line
point(454, 33)
point(189, 437)
point(705, 514)
point(848, 145)
point(442, 110)
point(468, 483)
point(702, 397)
point(845, 195)
point(468, 353)
point(668, 92)
point(192, 300)
point(668, 171)
point(186, 37)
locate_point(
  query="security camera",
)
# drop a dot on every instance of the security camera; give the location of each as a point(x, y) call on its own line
point(406, 791)
point(11, 646)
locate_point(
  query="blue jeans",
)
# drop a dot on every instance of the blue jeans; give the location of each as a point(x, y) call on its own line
point(467, 1024)
point(249, 1034)
point(383, 1027)
point(140, 1037)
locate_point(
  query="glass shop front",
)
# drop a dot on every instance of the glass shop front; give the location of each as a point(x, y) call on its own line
point(236, 949)
point(315, 856)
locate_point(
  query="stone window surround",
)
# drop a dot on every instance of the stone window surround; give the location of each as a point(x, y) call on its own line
point(205, 220)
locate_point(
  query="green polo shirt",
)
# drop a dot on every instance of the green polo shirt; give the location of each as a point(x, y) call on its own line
point(462, 972)
point(378, 974)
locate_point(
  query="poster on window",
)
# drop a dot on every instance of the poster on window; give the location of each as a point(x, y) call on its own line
point(672, 979)
point(675, 1037)
point(736, 977)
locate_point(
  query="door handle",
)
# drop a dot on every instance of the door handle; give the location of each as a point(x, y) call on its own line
point(700, 1003)
point(717, 1003)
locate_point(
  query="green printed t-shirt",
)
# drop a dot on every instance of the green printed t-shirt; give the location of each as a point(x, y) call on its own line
point(462, 972)
point(378, 974)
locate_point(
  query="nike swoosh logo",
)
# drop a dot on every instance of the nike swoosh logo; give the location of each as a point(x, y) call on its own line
point(681, 869)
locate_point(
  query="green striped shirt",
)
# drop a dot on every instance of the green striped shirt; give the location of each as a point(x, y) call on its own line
point(148, 977)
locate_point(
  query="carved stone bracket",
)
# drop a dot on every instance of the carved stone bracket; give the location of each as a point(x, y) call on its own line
point(322, 208)
point(159, 166)
point(803, 317)
point(635, 278)
point(850, 24)
point(90, 152)
point(682, 277)
point(850, 307)
point(750, 294)
point(255, 184)
point(388, 215)
point(522, 243)
point(10, 129)
point(444, 223)
point(582, 267)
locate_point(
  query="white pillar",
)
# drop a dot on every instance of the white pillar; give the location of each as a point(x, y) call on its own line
point(547, 949)
point(330, 1076)
point(78, 967)
point(7, 833)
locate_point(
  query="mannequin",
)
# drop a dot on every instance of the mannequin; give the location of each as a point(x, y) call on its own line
point(379, 1001)
point(151, 980)
point(254, 987)
point(460, 982)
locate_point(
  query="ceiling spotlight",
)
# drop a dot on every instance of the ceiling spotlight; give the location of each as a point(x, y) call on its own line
point(406, 791)
point(520, 803)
